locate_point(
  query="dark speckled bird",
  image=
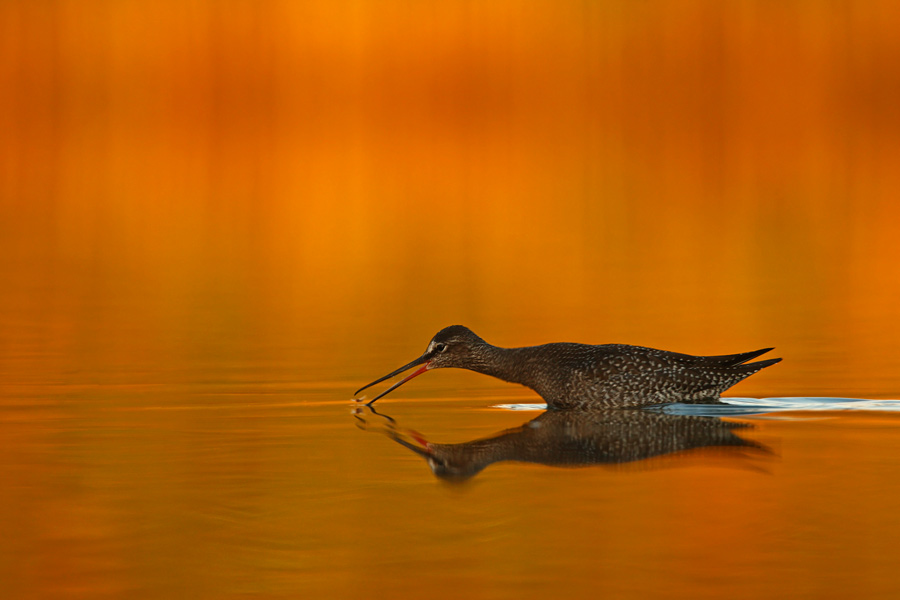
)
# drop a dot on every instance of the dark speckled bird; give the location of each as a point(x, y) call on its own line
point(585, 376)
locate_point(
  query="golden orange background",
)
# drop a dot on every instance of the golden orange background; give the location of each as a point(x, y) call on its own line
point(702, 175)
point(294, 196)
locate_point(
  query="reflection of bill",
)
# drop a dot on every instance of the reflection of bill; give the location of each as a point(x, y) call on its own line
point(571, 439)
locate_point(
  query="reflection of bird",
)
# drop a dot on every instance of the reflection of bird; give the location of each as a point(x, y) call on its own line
point(581, 376)
point(575, 438)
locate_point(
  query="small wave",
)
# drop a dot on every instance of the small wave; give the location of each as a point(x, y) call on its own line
point(754, 406)
point(521, 406)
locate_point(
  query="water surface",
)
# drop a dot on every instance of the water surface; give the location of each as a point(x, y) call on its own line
point(149, 491)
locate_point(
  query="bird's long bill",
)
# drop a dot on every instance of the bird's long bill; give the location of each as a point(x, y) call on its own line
point(422, 360)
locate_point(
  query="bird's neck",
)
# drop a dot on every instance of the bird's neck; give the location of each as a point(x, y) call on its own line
point(508, 364)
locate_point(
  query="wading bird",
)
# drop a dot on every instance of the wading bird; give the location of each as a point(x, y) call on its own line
point(584, 376)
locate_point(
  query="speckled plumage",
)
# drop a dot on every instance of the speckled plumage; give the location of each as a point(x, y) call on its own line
point(568, 375)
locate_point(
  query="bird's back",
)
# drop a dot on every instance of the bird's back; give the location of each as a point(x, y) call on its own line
point(581, 375)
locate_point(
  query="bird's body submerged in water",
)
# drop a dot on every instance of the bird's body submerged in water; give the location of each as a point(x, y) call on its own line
point(570, 375)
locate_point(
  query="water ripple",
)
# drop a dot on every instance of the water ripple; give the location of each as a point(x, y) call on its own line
point(755, 406)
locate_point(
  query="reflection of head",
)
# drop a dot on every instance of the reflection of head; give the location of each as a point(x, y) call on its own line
point(450, 470)
point(451, 462)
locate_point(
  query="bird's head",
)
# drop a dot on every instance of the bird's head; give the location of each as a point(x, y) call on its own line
point(454, 346)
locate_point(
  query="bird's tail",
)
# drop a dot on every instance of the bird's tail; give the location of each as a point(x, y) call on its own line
point(742, 371)
point(731, 360)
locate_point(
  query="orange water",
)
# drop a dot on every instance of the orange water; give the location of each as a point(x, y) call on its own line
point(219, 222)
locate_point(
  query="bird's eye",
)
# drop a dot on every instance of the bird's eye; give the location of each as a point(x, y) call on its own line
point(440, 347)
